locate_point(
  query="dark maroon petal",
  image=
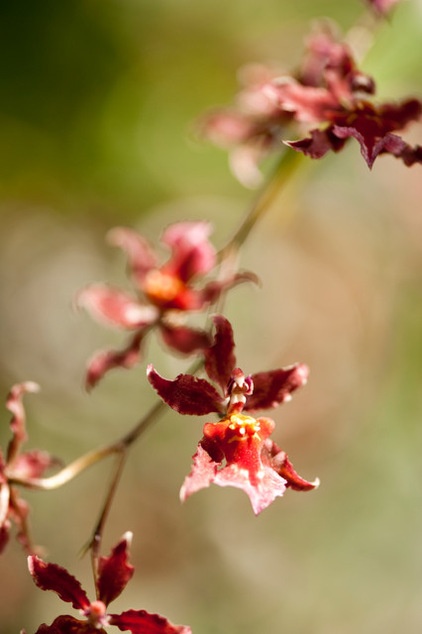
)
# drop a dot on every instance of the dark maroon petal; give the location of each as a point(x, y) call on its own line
point(68, 625)
point(192, 253)
point(114, 307)
point(115, 571)
point(294, 480)
point(183, 339)
point(409, 155)
point(202, 473)
point(53, 577)
point(104, 361)
point(141, 622)
point(186, 394)
point(138, 250)
point(4, 534)
point(220, 359)
point(372, 127)
point(280, 462)
point(275, 387)
point(318, 144)
point(17, 424)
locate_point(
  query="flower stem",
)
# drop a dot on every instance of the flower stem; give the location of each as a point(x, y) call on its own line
point(94, 543)
point(286, 166)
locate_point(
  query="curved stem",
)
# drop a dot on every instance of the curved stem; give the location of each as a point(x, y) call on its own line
point(286, 166)
point(70, 471)
point(96, 455)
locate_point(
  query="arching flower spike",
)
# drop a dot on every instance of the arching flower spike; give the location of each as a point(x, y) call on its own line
point(237, 450)
point(114, 572)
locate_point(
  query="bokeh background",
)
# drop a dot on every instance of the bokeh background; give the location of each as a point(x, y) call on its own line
point(97, 100)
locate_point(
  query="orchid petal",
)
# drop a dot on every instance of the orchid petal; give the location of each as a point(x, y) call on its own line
point(142, 622)
point(33, 464)
point(186, 394)
point(4, 502)
point(280, 462)
point(116, 308)
point(115, 571)
point(183, 339)
point(17, 424)
point(68, 625)
point(275, 387)
point(382, 7)
point(138, 250)
point(261, 494)
point(49, 576)
point(201, 476)
point(4, 535)
point(220, 359)
point(318, 143)
point(106, 360)
point(192, 253)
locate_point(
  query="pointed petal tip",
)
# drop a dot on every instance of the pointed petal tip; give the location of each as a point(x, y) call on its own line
point(127, 537)
point(316, 483)
point(302, 371)
point(31, 386)
point(30, 561)
point(114, 236)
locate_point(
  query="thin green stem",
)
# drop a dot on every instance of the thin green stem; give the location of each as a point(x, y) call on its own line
point(285, 168)
point(94, 543)
point(70, 471)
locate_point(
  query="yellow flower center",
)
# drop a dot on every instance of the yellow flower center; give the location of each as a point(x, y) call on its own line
point(244, 426)
point(161, 287)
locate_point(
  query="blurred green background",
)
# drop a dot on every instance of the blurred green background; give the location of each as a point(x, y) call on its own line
point(96, 109)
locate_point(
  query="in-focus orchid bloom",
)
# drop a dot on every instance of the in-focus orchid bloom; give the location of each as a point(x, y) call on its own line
point(328, 91)
point(163, 294)
point(114, 572)
point(21, 467)
point(237, 450)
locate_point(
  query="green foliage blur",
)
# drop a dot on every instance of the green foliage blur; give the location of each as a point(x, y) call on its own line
point(98, 100)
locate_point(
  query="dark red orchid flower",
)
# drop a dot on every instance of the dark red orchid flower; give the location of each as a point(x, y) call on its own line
point(328, 91)
point(332, 91)
point(20, 467)
point(237, 450)
point(114, 572)
point(163, 294)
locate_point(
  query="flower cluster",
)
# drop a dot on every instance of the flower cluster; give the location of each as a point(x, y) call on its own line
point(20, 467)
point(329, 92)
point(164, 294)
point(114, 572)
point(237, 450)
